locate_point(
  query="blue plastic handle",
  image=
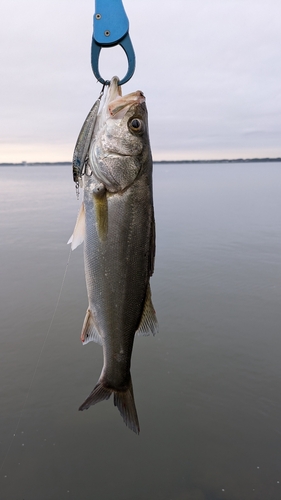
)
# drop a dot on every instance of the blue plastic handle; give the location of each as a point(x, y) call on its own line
point(111, 27)
point(110, 22)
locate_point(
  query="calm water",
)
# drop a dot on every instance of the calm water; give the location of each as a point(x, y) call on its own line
point(207, 388)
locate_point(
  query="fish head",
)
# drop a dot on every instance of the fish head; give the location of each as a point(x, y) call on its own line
point(120, 146)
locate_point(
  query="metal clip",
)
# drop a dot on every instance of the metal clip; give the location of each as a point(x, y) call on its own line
point(111, 27)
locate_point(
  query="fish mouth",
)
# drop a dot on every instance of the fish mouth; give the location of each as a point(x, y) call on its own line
point(118, 105)
point(114, 90)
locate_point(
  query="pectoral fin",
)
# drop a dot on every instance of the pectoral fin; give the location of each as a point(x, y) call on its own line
point(89, 331)
point(101, 209)
point(79, 230)
point(148, 323)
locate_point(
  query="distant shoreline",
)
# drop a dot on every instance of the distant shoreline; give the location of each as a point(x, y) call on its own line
point(68, 163)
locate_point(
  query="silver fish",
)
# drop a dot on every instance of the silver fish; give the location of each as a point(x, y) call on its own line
point(116, 222)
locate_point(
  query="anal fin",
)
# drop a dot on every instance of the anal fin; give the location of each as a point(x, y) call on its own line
point(89, 331)
point(148, 323)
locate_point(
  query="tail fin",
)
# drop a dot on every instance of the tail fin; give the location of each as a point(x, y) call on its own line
point(124, 400)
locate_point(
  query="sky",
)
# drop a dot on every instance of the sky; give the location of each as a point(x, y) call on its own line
point(210, 71)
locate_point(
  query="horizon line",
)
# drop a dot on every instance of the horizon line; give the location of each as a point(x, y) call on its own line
point(226, 160)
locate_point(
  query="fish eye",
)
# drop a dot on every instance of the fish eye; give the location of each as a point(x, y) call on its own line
point(135, 125)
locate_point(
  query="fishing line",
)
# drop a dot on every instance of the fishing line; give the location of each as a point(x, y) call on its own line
point(37, 364)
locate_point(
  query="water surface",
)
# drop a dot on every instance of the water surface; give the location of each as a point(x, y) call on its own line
point(207, 388)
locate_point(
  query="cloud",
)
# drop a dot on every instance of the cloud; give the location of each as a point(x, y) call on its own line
point(209, 69)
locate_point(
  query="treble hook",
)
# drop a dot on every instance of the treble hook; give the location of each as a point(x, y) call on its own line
point(111, 27)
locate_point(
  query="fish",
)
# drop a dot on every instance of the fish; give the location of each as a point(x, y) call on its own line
point(116, 223)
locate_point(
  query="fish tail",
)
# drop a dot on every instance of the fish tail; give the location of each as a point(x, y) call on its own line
point(124, 400)
point(99, 393)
